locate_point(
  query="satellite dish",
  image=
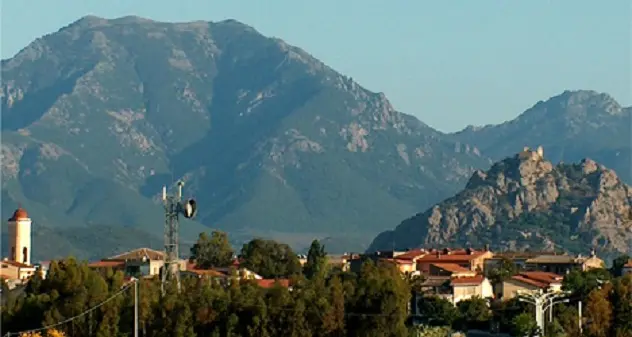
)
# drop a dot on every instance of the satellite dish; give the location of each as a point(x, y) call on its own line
point(190, 209)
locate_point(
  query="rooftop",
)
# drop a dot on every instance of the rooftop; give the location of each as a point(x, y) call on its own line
point(138, 254)
point(269, 283)
point(468, 281)
point(19, 214)
point(411, 254)
point(106, 264)
point(451, 267)
point(538, 278)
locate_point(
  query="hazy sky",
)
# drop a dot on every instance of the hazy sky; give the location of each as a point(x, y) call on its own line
point(451, 63)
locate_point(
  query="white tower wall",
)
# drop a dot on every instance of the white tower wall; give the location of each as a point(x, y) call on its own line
point(20, 240)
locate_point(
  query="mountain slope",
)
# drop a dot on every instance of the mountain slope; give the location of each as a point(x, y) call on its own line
point(96, 117)
point(525, 202)
point(570, 126)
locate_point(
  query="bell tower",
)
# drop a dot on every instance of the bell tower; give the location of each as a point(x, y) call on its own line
point(20, 237)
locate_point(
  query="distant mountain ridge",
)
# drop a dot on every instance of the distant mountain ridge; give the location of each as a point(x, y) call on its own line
point(525, 202)
point(272, 142)
point(571, 126)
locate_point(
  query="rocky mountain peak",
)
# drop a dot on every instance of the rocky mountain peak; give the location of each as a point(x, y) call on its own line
point(525, 201)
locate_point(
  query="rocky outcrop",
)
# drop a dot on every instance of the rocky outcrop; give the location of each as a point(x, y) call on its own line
point(526, 202)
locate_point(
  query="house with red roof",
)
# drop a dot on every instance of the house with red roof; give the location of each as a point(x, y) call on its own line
point(473, 260)
point(531, 281)
point(465, 288)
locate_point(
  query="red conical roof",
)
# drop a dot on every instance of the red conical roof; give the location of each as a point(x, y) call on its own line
point(19, 214)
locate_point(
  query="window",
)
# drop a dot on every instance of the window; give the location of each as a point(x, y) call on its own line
point(13, 257)
point(25, 252)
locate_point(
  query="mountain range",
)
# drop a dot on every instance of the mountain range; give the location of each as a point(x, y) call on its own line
point(269, 140)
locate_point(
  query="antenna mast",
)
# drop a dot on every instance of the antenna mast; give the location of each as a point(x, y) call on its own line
point(174, 206)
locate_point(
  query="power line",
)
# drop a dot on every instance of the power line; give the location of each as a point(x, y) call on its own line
point(8, 334)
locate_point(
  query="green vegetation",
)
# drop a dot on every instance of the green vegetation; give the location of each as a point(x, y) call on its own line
point(320, 301)
point(333, 304)
point(261, 131)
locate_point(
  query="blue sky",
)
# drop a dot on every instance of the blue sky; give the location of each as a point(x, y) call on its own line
point(450, 63)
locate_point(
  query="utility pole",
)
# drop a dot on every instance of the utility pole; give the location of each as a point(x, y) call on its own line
point(174, 206)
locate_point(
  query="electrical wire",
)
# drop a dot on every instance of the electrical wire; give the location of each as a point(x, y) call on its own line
point(8, 334)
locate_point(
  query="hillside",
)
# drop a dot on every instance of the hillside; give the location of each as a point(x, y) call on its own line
point(525, 202)
point(571, 126)
point(272, 142)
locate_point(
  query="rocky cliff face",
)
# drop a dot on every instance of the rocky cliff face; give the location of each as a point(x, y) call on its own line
point(525, 202)
point(271, 141)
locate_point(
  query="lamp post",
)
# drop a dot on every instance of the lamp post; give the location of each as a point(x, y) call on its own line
point(135, 280)
point(541, 301)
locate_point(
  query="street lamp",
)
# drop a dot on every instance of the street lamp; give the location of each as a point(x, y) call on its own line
point(135, 280)
point(541, 301)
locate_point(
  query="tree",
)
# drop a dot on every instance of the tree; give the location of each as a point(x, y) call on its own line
point(380, 302)
point(316, 260)
point(270, 259)
point(474, 314)
point(581, 283)
point(213, 251)
point(436, 311)
point(555, 329)
point(621, 299)
point(599, 312)
point(618, 263)
point(506, 269)
point(524, 325)
point(567, 315)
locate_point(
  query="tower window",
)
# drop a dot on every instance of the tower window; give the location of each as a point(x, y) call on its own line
point(13, 256)
point(25, 252)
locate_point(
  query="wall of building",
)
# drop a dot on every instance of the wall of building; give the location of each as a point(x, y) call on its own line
point(512, 287)
point(20, 240)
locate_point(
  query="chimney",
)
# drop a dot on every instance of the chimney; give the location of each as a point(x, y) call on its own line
point(468, 251)
point(487, 247)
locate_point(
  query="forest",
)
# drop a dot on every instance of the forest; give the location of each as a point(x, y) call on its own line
point(322, 300)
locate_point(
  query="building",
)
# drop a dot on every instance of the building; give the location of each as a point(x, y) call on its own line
point(18, 271)
point(465, 288)
point(562, 264)
point(450, 269)
point(627, 268)
point(20, 237)
point(138, 262)
point(473, 260)
point(531, 281)
point(18, 268)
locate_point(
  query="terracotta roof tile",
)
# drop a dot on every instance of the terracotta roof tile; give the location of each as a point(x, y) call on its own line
point(192, 267)
point(465, 281)
point(538, 279)
point(628, 265)
point(451, 267)
point(411, 254)
point(398, 261)
point(269, 283)
point(454, 256)
point(19, 214)
point(106, 264)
